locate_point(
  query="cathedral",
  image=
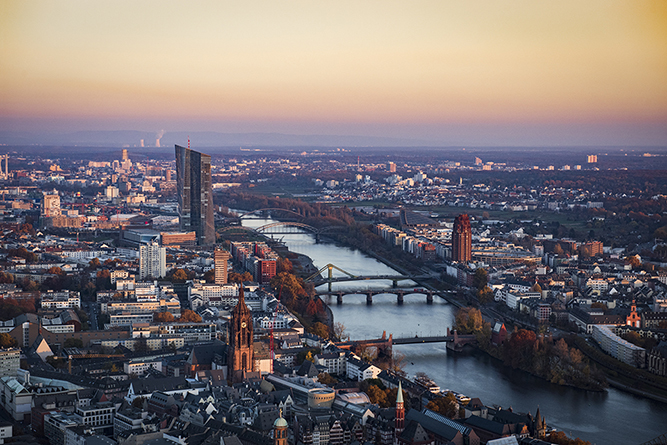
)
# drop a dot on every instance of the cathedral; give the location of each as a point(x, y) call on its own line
point(240, 351)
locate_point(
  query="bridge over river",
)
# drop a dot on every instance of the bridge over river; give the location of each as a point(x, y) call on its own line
point(454, 342)
point(400, 294)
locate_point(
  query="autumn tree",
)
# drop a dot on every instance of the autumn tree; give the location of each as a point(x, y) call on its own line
point(7, 341)
point(446, 405)
point(94, 263)
point(480, 279)
point(209, 276)
point(103, 279)
point(319, 329)
point(189, 316)
point(163, 317)
point(177, 276)
point(284, 265)
point(326, 379)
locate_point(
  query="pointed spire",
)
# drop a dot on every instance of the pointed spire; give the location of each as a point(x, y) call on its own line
point(399, 394)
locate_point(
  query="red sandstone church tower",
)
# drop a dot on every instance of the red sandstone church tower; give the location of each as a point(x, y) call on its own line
point(462, 239)
point(240, 351)
point(280, 430)
point(400, 414)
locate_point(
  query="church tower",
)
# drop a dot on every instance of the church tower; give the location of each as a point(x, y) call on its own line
point(240, 352)
point(400, 414)
point(280, 430)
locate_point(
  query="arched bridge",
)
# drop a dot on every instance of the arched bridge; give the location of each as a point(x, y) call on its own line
point(454, 342)
point(400, 294)
point(268, 210)
point(317, 278)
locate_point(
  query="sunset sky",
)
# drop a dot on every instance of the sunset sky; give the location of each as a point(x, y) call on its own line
point(453, 72)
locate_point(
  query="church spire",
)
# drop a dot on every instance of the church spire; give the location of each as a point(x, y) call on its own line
point(400, 414)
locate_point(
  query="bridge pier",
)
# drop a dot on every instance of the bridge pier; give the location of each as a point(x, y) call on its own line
point(369, 299)
point(339, 299)
point(399, 298)
point(394, 283)
point(429, 298)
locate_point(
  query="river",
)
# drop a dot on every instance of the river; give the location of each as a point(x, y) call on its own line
point(611, 417)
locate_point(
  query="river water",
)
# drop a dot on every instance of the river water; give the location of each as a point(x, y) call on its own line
point(612, 417)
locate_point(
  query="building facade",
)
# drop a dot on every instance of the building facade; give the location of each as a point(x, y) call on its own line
point(195, 197)
point(221, 258)
point(462, 239)
point(152, 261)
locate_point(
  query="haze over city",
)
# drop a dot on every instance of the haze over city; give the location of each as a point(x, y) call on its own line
point(425, 72)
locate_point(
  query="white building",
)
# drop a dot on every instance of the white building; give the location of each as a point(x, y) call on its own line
point(9, 362)
point(139, 367)
point(152, 261)
point(359, 370)
point(60, 300)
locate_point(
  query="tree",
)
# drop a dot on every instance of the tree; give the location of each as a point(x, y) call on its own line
point(339, 331)
point(319, 329)
point(284, 265)
point(163, 317)
point(209, 276)
point(103, 279)
point(73, 343)
point(447, 405)
point(326, 379)
point(139, 402)
point(177, 276)
point(7, 341)
point(94, 263)
point(480, 279)
point(55, 270)
point(485, 295)
point(189, 316)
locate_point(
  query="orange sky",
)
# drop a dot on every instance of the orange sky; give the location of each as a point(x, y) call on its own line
point(348, 66)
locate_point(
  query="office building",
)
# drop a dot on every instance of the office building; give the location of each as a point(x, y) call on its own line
point(152, 261)
point(221, 258)
point(51, 204)
point(195, 196)
point(9, 362)
point(462, 239)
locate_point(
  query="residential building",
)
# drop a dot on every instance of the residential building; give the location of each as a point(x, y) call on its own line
point(152, 261)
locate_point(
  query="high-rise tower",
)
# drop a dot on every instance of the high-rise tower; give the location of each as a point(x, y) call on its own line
point(220, 258)
point(462, 239)
point(152, 261)
point(240, 351)
point(195, 194)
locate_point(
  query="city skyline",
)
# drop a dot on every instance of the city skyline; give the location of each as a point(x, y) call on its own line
point(477, 73)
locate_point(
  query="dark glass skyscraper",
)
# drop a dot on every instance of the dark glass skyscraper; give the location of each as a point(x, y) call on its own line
point(195, 196)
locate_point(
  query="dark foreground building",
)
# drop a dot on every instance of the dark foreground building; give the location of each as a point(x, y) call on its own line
point(195, 196)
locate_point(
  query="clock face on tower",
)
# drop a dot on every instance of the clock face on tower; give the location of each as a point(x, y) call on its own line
point(243, 324)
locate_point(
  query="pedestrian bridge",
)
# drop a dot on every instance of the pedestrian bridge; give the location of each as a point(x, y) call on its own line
point(453, 340)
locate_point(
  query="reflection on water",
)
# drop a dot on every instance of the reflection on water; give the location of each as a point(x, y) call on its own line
point(602, 418)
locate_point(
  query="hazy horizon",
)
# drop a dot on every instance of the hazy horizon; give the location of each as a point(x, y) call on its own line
point(430, 72)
